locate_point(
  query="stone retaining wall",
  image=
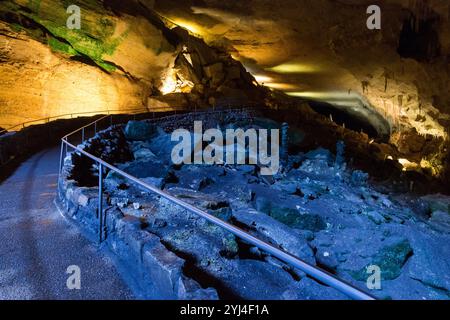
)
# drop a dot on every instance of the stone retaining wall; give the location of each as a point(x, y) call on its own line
point(157, 272)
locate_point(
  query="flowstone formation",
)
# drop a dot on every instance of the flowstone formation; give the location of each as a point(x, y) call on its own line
point(317, 208)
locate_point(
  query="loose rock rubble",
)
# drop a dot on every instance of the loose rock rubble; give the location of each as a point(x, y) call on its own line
point(317, 208)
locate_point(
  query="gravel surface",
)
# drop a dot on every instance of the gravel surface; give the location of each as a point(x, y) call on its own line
point(37, 244)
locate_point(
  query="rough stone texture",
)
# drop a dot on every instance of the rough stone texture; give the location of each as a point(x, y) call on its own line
point(156, 271)
point(124, 57)
point(438, 202)
point(339, 252)
point(277, 233)
point(139, 131)
point(395, 78)
point(287, 213)
point(269, 36)
point(313, 209)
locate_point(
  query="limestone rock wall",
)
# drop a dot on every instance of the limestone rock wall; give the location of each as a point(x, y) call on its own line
point(123, 57)
point(323, 50)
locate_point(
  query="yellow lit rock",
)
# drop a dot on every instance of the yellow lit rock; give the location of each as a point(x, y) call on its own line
point(294, 68)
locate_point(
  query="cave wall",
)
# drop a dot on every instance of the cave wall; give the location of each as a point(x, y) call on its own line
point(124, 57)
point(322, 50)
point(48, 70)
point(166, 53)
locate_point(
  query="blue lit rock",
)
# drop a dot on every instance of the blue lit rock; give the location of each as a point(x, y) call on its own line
point(139, 131)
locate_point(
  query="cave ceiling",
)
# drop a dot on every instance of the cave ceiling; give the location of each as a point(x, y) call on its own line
point(323, 50)
point(150, 53)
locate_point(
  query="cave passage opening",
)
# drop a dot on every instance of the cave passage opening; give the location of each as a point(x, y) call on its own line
point(419, 39)
point(352, 121)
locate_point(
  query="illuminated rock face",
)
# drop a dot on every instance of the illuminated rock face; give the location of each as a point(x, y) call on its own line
point(46, 69)
point(123, 57)
point(297, 50)
point(323, 50)
point(35, 83)
point(131, 54)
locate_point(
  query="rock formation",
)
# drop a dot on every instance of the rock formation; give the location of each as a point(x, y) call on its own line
point(164, 55)
point(124, 57)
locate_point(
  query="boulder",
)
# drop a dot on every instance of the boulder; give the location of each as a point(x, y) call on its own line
point(189, 289)
point(201, 200)
point(155, 182)
point(162, 145)
point(308, 289)
point(351, 251)
point(258, 280)
point(139, 131)
point(276, 233)
point(163, 268)
point(145, 169)
point(289, 187)
point(289, 216)
point(437, 202)
point(198, 177)
point(144, 154)
point(430, 264)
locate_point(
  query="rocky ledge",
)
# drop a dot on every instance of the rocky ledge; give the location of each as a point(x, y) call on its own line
point(316, 208)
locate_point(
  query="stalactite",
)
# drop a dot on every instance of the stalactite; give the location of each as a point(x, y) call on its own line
point(421, 12)
point(400, 100)
point(419, 38)
point(365, 86)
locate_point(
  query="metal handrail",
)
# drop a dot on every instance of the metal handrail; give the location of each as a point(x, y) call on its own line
point(64, 116)
point(313, 271)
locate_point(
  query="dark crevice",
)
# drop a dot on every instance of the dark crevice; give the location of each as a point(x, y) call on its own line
point(120, 7)
point(419, 39)
point(206, 280)
point(341, 117)
point(292, 273)
point(326, 268)
point(247, 251)
point(32, 28)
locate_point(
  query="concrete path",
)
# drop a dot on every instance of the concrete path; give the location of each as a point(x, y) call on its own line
point(37, 244)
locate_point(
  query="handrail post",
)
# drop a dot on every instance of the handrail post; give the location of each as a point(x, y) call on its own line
point(100, 201)
point(313, 271)
point(61, 158)
point(82, 135)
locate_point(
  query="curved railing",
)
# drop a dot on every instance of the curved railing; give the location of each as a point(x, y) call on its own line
point(313, 271)
point(81, 114)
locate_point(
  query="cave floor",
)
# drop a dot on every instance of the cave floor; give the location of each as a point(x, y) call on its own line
point(316, 209)
point(38, 244)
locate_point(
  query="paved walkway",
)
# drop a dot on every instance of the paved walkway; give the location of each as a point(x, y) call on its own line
point(37, 244)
